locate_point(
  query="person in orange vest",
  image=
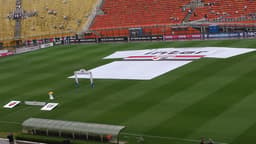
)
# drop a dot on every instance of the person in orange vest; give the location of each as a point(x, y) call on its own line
point(51, 97)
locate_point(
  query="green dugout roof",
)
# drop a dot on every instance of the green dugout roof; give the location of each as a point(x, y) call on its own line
point(70, 126)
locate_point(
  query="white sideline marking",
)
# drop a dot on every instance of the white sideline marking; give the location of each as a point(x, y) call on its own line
point(28, 142)
point(5, 141)
point(170, 138)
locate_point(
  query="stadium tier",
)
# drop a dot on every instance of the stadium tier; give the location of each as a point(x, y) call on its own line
point(123, 14)
point(46, 17)
point(126, 13)
point(6, 26)
point(157, 16)
point(56, 17)
point(226, 11)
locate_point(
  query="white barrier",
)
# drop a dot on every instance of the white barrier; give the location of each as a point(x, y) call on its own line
point(46, 45)
point(34, 103)
point(26, 49)
point(3, 51)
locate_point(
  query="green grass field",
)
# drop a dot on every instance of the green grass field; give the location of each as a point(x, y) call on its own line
point(213, 98)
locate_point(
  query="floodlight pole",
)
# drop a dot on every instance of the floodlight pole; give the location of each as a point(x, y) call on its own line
point(18, 15)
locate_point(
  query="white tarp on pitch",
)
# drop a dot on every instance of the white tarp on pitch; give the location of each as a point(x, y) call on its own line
point(134, 70)
point(211, 52)
point(150, 63)
point(224, 52)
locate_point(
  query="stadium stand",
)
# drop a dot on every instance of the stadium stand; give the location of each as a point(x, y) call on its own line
point(226, 11)
point(116, 18)
point(53, 18)
point(56, 17)
point(6, 25)
point(156, 16)
point(123, 13)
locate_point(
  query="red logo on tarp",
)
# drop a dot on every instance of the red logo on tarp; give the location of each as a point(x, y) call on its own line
point(12, 104)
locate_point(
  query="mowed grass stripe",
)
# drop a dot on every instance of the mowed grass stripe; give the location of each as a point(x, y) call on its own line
point(51, 55)
point(134, 94)
point(84, 101)
point(209, 107)
point(246, 137)
point(229, 125)
point(50, 59)
point(176, 103)
point(223, 121)
point(152, 96)
point(23, 85)
point(172, 91)
point(22, 90)
point(33, 72)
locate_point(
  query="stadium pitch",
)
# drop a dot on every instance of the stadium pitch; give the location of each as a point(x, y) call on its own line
point(211, 98)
